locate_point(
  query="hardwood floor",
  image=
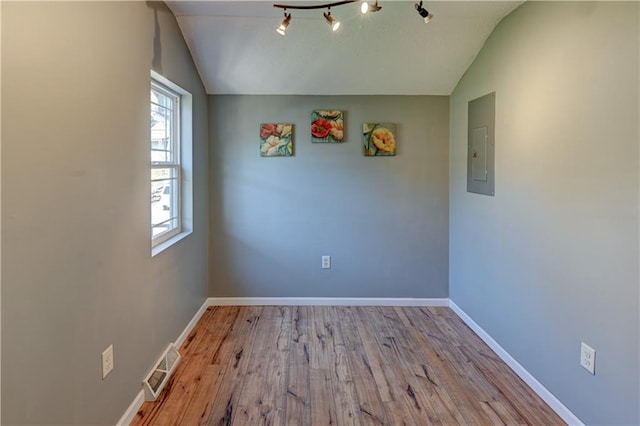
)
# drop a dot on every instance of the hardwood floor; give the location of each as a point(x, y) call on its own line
point(288, 365)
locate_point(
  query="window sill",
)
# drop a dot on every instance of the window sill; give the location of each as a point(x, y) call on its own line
point(168, 243)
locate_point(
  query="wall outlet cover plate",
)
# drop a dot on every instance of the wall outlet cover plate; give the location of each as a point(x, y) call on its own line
point(588, 358)
point(107, 361)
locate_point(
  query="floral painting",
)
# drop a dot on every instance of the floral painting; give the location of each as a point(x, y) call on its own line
point(327, 126)
point(379, 139)
point(276, 140)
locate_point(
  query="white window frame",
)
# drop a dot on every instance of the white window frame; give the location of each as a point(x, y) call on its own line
point(182, 123)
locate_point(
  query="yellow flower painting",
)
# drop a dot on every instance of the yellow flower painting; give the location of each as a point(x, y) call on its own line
point(379, 139)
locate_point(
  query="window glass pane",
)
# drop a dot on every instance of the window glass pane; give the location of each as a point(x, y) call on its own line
point(161, 99)
point(164, 200)
point(161, 155)
point(162, 123)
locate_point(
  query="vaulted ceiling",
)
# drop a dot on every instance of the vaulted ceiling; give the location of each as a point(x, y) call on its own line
point(237, 50)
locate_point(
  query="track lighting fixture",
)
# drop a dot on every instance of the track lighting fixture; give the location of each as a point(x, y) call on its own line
point(331, 21)
point(366, 7)
point(282, 29)
point(423, 12)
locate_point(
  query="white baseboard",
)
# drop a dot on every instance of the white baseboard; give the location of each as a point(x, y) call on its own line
point(527, 377)
point(324, 301)
point(130, 413)
point(185, 333)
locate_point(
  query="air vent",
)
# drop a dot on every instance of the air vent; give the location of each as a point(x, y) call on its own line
point(159, 375)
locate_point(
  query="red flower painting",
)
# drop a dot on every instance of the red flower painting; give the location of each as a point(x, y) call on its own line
point(327, 126)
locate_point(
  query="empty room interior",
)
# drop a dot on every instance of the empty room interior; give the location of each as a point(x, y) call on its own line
point(241, 212)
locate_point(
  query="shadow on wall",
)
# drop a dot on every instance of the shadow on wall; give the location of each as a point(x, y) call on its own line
point(156, 61)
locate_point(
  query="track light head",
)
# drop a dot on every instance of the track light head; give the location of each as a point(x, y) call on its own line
point(366, 7)
point(331, 21)
point(282, 29)
point(423, 12)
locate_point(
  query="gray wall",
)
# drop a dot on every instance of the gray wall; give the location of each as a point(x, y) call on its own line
point(383, 220)
point(77, 274)
point(552, 259)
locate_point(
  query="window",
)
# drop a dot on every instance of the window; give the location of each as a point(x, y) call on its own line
point(170, 162)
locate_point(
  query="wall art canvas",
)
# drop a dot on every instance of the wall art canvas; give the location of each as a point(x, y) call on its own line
point(276, 140)
point(327, 126)
point(379, 139)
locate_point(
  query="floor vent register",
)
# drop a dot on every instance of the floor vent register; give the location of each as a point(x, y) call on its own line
point(159, 375)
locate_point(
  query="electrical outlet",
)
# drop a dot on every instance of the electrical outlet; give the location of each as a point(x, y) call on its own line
point(326, 262)
point(588, 358)
point(107, 361)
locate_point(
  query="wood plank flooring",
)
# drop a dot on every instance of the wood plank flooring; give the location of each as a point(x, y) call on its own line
point(307, 365)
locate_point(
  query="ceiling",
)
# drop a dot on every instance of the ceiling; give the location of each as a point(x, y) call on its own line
point(237, 50)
